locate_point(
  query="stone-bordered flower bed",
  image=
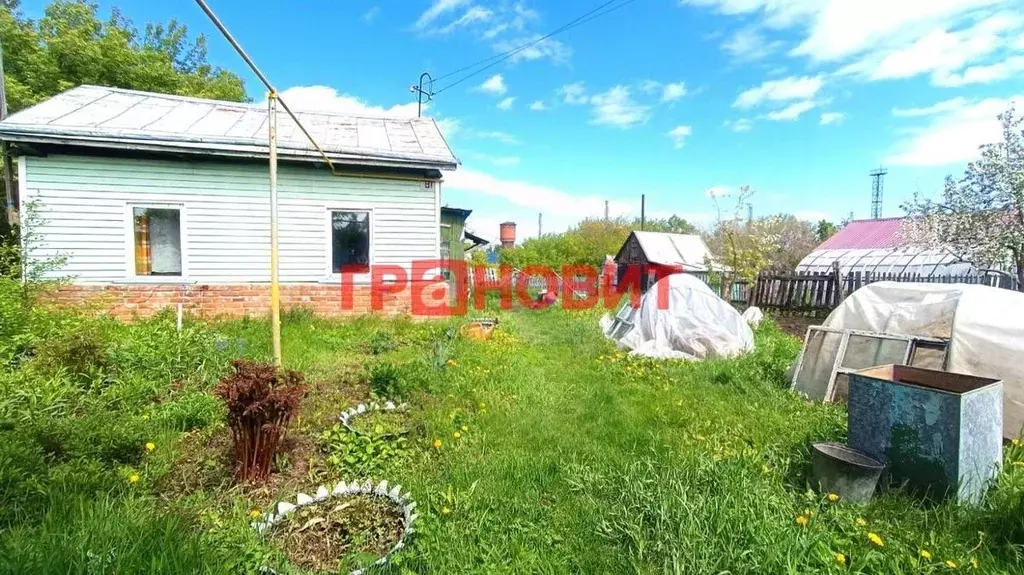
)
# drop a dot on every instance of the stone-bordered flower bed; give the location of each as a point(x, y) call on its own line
point(377, 420)
point(352, 525)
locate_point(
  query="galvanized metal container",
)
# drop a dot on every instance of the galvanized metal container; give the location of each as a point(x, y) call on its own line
point(938, 432)
point(844, 471)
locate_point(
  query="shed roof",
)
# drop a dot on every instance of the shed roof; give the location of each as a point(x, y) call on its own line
point(128, 119)
point(866, 234)
point(673, 249)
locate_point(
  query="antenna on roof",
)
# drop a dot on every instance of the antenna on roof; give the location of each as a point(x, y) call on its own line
point(877, 181)
point(420, 92)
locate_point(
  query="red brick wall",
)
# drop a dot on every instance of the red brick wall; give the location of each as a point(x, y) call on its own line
point(129, 300)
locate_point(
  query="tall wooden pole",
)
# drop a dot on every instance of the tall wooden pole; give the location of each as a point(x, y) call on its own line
point(275, 288)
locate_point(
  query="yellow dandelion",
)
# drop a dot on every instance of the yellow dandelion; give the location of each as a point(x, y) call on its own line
point(801, 520)
point(254, 513)
point(445, 510)
point(951, 564)
point(833, 497)
point(840, 559)
point(133, 478)
point(452, 362)
point(457, 435)
point(1016, 442)
point(861, 522)
point(974, 563)
point(465, 428)
point(150, 446)
point(924, 554)
point(437, 444)
point(874, 538)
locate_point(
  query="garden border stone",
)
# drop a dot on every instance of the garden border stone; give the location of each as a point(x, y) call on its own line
point(348, 415)
point(283, 509)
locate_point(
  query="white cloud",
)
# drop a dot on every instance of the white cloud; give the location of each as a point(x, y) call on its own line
point(495, 160)
point(982, 74)
point(616, 107)
point(370, 14)
point(546, 48)
point(506, 103)
point(679, 134)
point(784, 90)
point(740, 125)
point(944, 106)
point(494, 85)
point(748, 44)
point(436, 10)
point(473, 15)
point(885, 39)
point(528, 195)
point(792, 111)
point(650, 86)
point(448, 126)
point(327, 99)
point(574, 93)
point(538, 106)
point(497, 135)
point(829, 118)
point(673, 91)
point(953, 133)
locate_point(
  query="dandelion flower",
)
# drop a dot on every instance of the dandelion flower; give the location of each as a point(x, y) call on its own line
point(254, 513)
point(465, 428)
point(452, 362)
point(860, 522)
point(457, 435)
point(437, 444)
point(833, 497)
point(951, 564)
point(445, 510)
point(801, 520)
point(924, 554)
point(150, 446)
point(974, 563)
point(133, 478)
point(1016, 442)
point(874, 538)
point(840, 559)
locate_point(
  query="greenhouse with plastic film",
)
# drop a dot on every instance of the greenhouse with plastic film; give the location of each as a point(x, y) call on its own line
point(875, 248)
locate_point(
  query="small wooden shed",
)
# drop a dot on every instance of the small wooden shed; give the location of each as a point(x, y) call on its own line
point(659, 254)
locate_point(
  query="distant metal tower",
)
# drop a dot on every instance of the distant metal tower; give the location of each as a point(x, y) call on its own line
point(877, 183)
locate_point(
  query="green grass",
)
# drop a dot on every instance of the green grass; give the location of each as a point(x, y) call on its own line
point(571, 458)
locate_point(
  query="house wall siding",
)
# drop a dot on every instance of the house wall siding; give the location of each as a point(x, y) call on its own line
point(82, 204)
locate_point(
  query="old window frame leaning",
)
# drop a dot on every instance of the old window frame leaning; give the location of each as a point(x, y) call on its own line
point(131, 270)
point(839, 368)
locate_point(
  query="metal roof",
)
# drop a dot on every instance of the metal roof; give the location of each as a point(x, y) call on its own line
point(866, 234)
point(127, 119)
point(687, 250)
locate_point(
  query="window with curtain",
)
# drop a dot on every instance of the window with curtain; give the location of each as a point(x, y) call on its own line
point(157, 241)
point(350, 241)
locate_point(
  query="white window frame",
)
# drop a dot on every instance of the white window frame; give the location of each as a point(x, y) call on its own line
point(129, 231)
point(331, 275)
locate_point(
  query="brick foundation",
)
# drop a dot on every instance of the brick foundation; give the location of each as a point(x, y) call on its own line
point(126, 301)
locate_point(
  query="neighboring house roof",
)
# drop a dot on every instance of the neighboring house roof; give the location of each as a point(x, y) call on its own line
point(459, 212)
point(128, 119)
point(866, 234)
point(688, 250)
point(477, 240)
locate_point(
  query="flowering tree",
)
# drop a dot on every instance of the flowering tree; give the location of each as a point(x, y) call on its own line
point(744, 247)
point(980, 217)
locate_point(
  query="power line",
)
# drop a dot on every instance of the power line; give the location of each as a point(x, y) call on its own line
point(499, 58)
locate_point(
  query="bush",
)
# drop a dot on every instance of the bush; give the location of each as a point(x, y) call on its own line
point(261, 401)
point(382, 342)
point(385, 380)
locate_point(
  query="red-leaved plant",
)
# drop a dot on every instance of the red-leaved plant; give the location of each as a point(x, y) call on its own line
point(262, 400)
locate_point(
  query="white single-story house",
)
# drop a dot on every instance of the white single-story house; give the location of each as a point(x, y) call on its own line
point(158, 200)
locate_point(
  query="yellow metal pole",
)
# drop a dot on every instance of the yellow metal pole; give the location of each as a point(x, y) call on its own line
point(275, 288)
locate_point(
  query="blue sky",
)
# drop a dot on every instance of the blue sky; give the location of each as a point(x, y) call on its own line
point(799, 99)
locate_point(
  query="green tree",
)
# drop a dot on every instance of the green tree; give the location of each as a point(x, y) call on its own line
point(70, 45)
point(825, 230)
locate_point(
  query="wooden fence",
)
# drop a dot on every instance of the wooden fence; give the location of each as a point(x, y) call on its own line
point(818, 294)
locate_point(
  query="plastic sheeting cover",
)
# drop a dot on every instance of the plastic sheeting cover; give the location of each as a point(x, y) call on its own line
point(695, 323)
point(985, 327)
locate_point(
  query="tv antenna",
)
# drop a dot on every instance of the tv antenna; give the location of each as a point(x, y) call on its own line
point(420, 92)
